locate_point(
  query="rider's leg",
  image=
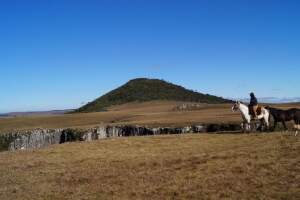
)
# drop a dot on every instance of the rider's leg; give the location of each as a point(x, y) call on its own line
point(254, 111)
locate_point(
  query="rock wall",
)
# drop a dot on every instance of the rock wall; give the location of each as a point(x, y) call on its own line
point(30, 139)
point(44, 137)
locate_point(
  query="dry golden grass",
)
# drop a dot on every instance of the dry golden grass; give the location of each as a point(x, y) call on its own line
point(155, 113)
point(263, 166)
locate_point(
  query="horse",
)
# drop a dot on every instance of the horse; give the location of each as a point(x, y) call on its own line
point(286, 115)
point(246, 125)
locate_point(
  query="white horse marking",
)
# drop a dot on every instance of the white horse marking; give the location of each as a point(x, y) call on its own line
point(297, 127)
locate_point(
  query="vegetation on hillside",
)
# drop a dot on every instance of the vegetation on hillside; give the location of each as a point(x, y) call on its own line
point(142, 89)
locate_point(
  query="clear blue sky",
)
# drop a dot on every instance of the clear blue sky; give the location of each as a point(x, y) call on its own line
point(57, 54)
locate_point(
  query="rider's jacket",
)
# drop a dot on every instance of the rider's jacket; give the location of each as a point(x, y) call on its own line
point(253, 101)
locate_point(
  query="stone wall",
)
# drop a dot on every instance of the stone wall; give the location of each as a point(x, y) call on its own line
point(44, 137)
point(30, 139)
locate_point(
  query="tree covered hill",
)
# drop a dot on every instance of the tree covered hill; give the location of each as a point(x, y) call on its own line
point(143, 89)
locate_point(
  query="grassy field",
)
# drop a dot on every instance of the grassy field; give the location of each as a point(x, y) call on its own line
point(155, 113)
point(199, 166)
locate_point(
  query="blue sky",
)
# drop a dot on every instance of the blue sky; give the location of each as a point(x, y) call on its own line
point(57, 54)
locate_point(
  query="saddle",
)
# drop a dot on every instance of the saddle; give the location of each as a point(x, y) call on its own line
point(258, 110)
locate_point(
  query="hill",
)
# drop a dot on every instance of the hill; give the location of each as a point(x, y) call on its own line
point(143, 89)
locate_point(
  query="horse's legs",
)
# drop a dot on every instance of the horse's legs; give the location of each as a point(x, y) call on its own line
point(261, 125)
point(249, 127)
point(284, 125)
point(249, 124)
point(297, 126)
point(243, 126)
point(275, 124)
point(246, 127)
point(252, 126)
point(267, 123)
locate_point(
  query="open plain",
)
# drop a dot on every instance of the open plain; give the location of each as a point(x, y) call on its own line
point(187, 166)
point(193, 166)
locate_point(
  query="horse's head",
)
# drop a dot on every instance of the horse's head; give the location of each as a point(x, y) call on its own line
point(235, 106)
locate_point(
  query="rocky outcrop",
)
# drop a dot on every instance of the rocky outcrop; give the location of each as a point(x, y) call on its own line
point(188, 107)
point(44, 137)
point(30, 139)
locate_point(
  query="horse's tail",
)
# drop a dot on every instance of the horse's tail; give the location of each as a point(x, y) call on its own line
point(268, 111)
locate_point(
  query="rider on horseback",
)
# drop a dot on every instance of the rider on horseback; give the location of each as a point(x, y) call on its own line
point(253, 106)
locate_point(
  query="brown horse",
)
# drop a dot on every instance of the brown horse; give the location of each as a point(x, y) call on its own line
point(285, 115)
